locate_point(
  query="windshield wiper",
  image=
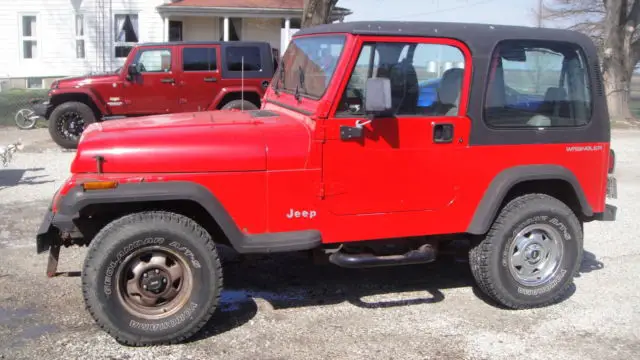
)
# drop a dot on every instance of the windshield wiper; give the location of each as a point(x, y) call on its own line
point(300, 83)
point(280, 78)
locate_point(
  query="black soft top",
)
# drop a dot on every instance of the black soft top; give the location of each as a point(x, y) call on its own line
point(474, 35)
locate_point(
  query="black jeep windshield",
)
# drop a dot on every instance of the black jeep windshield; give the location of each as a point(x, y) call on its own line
point(308, 65)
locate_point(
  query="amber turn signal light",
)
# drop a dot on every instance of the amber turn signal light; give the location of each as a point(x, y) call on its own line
point(99, 185)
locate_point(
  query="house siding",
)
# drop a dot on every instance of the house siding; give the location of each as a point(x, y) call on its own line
point(265, 29)
point(56, 49)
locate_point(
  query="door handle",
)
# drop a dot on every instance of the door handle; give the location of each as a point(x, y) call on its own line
point(168, 81)
point(210, 79)
point(442, 133)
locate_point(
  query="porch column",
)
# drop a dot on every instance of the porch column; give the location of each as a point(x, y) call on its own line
point(287, 27)
point(165, 28)
point(226, 28)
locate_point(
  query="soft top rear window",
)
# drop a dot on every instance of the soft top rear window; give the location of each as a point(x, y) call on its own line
point(539, 83)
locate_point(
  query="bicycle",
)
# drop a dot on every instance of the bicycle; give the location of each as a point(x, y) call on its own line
point(26, 119)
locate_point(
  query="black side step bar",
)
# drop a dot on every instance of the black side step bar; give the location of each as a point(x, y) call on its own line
point(423, 255)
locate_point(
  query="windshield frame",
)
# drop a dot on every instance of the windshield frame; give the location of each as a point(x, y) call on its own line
point(278, 84)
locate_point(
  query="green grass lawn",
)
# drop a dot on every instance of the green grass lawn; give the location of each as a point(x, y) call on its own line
point(15, 99)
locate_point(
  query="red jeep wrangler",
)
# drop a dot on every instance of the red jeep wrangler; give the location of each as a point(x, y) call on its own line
point(351, 158)
point(160, 78)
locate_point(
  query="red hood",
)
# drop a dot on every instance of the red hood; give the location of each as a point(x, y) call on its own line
point(70, 82)
point(195, 142)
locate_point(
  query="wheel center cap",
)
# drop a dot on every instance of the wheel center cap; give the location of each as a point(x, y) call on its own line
point(154, 282)
point(533, 253)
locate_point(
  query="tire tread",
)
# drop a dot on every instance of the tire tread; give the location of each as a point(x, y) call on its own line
point(136, 219)
point(479, 255)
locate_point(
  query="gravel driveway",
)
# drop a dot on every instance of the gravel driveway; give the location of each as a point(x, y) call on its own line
point(285, 307)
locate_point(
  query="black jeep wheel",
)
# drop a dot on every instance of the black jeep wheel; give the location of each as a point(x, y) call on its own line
point(531, 253)
point(67, 122)
point(239, 105)
point(152, 278)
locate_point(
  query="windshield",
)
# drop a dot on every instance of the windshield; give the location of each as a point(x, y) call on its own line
point(308, 65)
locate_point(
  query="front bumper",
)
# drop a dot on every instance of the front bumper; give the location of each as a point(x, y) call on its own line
point(50, 230)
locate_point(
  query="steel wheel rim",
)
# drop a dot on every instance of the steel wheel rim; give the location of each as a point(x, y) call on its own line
point(141, 288)
point(535, 254)
point(71, 125)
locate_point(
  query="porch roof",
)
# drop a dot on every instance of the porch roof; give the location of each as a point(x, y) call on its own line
point(242, 8)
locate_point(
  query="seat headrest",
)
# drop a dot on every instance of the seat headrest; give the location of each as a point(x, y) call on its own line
point(449, 87)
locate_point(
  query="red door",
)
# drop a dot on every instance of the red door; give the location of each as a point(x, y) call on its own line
point(406, 162)
point(154, 90)
point(199, 76)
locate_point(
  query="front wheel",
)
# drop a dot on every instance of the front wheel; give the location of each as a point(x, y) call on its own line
point(67, 122)
point(531, 253)
point(240, 105)
point(152, 278)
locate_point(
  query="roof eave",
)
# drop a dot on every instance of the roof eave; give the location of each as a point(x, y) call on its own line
point(176, 10)
point(210, 10)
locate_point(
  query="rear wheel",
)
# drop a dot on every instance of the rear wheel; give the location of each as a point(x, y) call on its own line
point(67, 122)
point(239, 105)
point(531, 253)
point(152, 278)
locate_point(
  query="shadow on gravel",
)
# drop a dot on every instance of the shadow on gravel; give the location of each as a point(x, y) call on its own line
point(590, 263)
point(294, 280)
point(13, 177)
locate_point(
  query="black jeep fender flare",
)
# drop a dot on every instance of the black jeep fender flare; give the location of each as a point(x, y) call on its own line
point(77, 199)
point(502, 183)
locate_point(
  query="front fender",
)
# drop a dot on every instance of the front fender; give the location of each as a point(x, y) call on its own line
point(59, 96)
point(76, 199)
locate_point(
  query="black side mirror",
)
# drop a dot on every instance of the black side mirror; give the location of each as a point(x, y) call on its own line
point(133, 70)
point(377, 96)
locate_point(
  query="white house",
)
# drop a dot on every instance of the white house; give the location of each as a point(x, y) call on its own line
point(42, 40)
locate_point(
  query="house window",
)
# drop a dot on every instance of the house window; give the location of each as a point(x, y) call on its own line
point(235, 29)
point(126, 36)
point(80, 37)
point(29, 36)
point(35, 83)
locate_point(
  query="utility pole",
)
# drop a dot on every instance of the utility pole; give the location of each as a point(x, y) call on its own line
point(540, 10)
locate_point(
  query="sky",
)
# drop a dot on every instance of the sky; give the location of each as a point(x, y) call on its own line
point(501, 12)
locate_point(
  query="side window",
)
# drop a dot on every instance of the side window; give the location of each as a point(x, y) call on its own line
point(537, 84)
point(249, 54)
point(199, 59)
point(155, 60)
point(426, 79)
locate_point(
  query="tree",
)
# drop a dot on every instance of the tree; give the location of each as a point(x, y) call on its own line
point(317, 12)
point(613, 26)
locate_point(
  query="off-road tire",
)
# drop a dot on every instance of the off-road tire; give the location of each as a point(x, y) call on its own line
point(125, 236)
point(240, 104)
point(54, 119)
point(488, 258)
